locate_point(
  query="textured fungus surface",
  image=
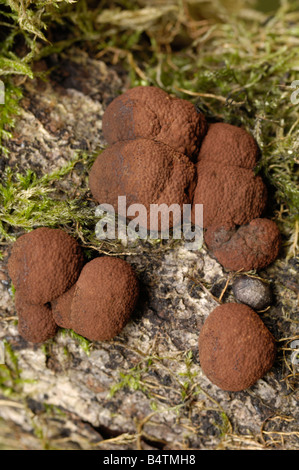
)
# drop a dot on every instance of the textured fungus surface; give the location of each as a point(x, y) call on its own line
point(225, 144)
point(232, 195)
point(229, 194)
point(145, 171)
point(252, 246)
point(105, 296)
point(235, 347)
point(44, 263)
point(61, 308)
point(35, 322)
point(152, 113)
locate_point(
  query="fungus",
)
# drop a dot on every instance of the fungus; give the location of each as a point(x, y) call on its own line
point(225, 144)
point(232, 195)
point(252, 246)
point(43, 264)
point(235, 347)
point(252, 291)
point(35, 322)
point(61, 308)
point(146, 172)
point(229, 194)
point(226, 185)
point(105, 296)
point(151, 113)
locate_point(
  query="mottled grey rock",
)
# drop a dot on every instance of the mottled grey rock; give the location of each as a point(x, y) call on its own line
point(252, 291)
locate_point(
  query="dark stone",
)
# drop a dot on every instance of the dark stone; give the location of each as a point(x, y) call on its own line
point(253, 292)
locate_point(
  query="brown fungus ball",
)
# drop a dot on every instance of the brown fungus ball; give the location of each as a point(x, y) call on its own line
point(235, 347)
point(225, 144)
point(61, 308)
point(151, 113)
point(105, 296)
point(252, 246)
point(146, 172)
point(35, 322)
point(44, 264)
point(229, 194)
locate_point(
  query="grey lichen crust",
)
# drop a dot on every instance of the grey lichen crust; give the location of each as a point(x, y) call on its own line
point(145, 388)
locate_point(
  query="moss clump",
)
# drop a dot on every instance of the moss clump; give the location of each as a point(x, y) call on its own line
point(28, 201)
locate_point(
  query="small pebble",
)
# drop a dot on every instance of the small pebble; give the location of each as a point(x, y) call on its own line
point(253, 292)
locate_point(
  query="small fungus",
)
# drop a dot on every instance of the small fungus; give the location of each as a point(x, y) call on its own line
point(225, 144)
point(61, 308)
point(151, 113)
point(105, 296)
point(229, 194)
point(44, 264)
point(252, 246)
point(35, 322)
point(235, 347)
point(146, 172)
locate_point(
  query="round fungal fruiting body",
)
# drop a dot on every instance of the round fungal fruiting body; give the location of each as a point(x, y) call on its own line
point(105, 296)
point(229, 194)
point(151, 113)
point(44, 264)
point(35, 322)
point(235, 347)
point(233, 196)
point(252, 246)
point(225, 144)
point(226, 185)
point(146, 172)
point(61, 308)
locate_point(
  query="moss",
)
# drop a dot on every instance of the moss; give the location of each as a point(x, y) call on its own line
point(10, 373)
point(132, 379)
point(28, 201)
point(188, 387)
point(23, 26)
point(84, 343)
point(8, 113)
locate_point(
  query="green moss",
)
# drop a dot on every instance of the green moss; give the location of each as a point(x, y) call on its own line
point(8, 113)
point(84, 343)
point(22, 31)
point(10, 373)
point(132, 379)
point(188, 385)
point(27, 201)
